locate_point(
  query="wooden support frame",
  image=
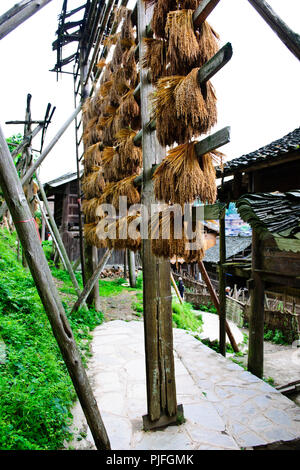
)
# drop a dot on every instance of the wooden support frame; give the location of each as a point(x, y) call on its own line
point(58, 240)
point(287, 36)
point(256, 320)
point(92, 281)
point(26, 229)
point(160, 373)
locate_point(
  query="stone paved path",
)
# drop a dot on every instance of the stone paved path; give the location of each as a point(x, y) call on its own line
point(225, 407)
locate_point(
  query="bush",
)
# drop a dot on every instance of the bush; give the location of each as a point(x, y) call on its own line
point(36, 392)
point(184, 318)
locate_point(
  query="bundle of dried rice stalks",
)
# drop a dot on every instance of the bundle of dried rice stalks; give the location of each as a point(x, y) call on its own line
point(183, 48)
point(131, 156)
point(129, 66)
point(160, 13)
point(155, 58)
point(128, 110)
point(90, 132)
point(208, 43)
point(181, 179)
point(91, 237)
point(109, 163)
point(170, 237)
point(169, 128)
point(127, 33)
point(118, 234)
point(93, 184)
point(89, 207)
point(192, 106)
point(92, 157)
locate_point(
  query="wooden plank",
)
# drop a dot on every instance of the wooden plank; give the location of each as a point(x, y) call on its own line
point(203, 11)
point(38, 265)
point(176, 289)
point(222, 286)
point(287, 36)
point(18, 14)
point(216, 63)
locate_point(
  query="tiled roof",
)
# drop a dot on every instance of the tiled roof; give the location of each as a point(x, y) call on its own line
point(270, 152)
point(234, 245)
point(276, 213)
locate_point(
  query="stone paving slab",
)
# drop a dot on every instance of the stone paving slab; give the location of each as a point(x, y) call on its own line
point(225, 407)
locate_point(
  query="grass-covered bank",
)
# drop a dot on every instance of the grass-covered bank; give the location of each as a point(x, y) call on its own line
point(36, 393)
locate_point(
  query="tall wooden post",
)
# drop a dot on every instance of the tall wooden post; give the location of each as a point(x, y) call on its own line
point(131, 268)
point(26, 229)
point(222, 285)
point(256, 321)
point(160, 376)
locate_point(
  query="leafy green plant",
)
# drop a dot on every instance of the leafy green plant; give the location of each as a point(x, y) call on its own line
point(36, 392)
point(184, 317)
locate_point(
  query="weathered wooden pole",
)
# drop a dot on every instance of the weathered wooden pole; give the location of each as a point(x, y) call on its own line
point(27, 232)
point(29, 174)
point(131, 268)
point(160, 376)
point(92, 281)
point(216, 303)
point(287, 36)
point(222, 285)
point(20, 12)
point(176, 289)
point(256, 320)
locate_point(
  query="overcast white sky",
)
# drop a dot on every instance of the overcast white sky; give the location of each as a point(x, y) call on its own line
point(258, 91)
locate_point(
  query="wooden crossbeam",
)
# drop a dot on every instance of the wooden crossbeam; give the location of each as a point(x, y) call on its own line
point(287, 36)
point(203, 11)
point(18, 14)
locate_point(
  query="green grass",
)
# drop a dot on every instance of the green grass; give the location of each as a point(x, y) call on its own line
point(36, 393)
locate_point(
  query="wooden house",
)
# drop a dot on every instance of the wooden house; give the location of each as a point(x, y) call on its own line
point(62, 192)
point(265, 185)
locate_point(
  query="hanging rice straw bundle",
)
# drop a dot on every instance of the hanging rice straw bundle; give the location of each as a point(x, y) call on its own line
point(107, 74)
point(189, 4)
point(89, 132)
point(101, 64)
point(131, 156)
point(192, 106)
point(92, 157)
point(183, 48)
point(91, 237)
point(129, 66)
point(87, 113)
point(105, 88)
point(121, 84)
point(118, 234)
point(89, 207)
point(93, 184)
point(127, 33)
point(170, 237)
point(179, 178)
point(208, 43)
point(126, 188)
point(111, 40)
point(169, 128)
point(160, 13)
point(155, 58)
point(211, 103)
point(128, 109)
point(108, 157)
